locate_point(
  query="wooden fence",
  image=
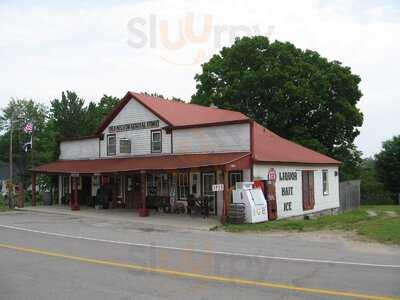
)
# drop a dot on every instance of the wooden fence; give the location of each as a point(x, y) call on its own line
point(349, 195)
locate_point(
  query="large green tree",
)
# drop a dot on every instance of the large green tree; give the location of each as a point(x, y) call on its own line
point(73, 118)
point(388, 164)
point(69, 115)
point(297, 94)
point(106, 104)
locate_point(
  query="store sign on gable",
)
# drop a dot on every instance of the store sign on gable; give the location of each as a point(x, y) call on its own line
point(134, 126)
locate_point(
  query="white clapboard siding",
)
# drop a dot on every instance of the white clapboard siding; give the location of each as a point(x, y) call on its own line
point(134, 112)
point(322, 202)
point(223, 138)
point(80, 149)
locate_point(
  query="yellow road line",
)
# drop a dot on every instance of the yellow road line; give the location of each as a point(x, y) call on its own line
point(198, 276)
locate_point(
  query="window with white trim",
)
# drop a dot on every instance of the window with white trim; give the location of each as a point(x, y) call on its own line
point(125, 146)
point(156, 141)
point(183, 186)
point(325, 184)
point(111, 144)
point(234, 177)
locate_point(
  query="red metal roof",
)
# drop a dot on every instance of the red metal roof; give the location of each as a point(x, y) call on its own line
point(177, 114)
point(267, 146)
point(159, 162)
point(270, 147)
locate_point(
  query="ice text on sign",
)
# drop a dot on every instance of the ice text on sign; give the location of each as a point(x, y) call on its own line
point(287, 206)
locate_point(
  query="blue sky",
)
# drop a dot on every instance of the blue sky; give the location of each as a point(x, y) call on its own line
point(109, 47)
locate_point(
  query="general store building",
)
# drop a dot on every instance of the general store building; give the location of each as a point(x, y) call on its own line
point(150, 147)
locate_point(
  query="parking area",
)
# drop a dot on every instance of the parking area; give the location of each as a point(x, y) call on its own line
point(95, 255)
point(180, 221)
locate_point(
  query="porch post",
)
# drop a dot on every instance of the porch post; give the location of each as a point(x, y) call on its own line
point(143, 211)
point(60, 188)
point(75, 201)
point(226, 198)
point(33, 189)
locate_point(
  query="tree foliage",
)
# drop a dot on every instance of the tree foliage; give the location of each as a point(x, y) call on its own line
point(388, 164)
point(69, 115)
point(66, 117)
point(297, 94)
point(372, 189)
point(20, 112)
point(106, 104)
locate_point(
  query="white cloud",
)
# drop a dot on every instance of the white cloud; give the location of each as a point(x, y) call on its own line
point(84, 47)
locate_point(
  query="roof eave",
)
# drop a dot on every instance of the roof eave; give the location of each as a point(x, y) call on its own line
point(209, 124)
point(279, 162)
point(86, 137)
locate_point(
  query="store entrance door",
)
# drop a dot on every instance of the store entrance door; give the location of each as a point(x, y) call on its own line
point(133, 192)
point(208, 193)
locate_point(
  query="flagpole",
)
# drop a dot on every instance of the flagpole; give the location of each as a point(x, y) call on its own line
point(33, 165)
point(28, 129)
point(33, 153)
point(10, 192)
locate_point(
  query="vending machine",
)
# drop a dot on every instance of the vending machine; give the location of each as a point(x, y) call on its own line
point(268, 188)
point(254, 201)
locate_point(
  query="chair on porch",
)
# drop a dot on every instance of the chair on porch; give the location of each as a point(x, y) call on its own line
point(198, 206)
point(205, 207)
point(193, 205)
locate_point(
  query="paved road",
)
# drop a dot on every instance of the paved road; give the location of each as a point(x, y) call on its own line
point(45, 256)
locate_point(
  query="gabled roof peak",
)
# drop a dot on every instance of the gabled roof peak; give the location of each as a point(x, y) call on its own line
point(177, 114)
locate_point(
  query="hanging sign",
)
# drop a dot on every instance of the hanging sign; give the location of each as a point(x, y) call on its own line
point(217, 187)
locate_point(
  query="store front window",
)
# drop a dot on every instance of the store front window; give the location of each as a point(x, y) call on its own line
point(183, 186)
point(234, 177)
point(158, 184)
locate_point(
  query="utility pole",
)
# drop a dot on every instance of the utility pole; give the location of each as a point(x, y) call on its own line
point(10, 185)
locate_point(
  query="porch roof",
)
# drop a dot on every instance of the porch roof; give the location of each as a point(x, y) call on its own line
point(231, 161)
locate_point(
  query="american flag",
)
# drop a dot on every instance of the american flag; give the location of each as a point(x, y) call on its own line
point(28, 127)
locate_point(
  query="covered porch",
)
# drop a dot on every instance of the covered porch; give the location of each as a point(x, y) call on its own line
point(186, 184)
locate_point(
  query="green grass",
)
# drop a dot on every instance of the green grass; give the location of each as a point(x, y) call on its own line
point(384, 227)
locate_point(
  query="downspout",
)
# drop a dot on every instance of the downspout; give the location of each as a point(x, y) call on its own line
point(172, 141)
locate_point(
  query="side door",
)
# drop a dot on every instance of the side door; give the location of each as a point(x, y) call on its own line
point(308, 189)
point(271, 200)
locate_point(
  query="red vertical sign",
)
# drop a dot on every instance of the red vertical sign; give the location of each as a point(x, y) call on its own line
point(271, 195)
